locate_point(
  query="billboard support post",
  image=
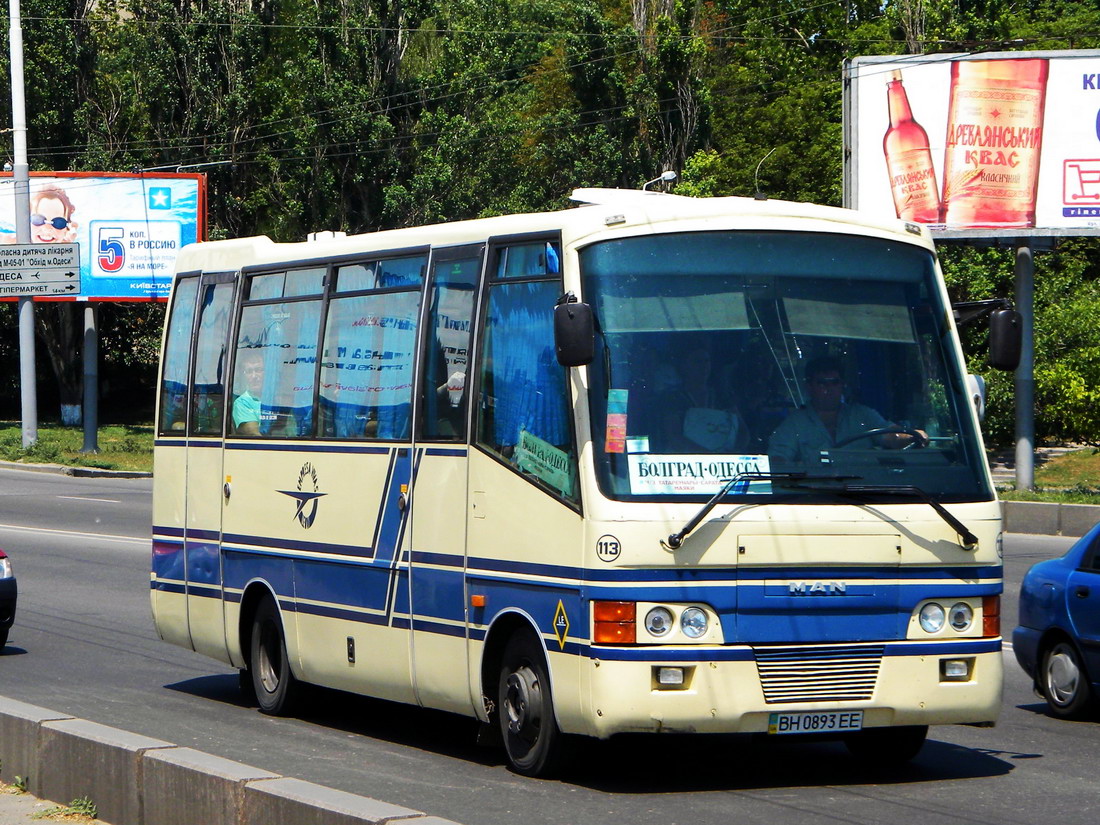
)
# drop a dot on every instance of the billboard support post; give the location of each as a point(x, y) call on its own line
point(1024, 271)
point(22, 185)
point(91, 378)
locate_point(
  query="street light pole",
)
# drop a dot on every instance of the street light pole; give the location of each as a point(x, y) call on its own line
point(21, 177)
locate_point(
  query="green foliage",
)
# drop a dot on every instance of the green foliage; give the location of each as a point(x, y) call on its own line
point(82, 808)
point(358, 116)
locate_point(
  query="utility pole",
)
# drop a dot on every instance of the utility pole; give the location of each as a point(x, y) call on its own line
point(21, 177)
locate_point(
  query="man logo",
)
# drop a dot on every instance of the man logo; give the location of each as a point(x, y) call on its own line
point(817, 588)
point(305, 498)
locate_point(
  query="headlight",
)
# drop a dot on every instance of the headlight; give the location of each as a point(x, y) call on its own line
point(5, 568)
point(931, 618)
point(658, 621)
point(961, 616)
point(693, 622)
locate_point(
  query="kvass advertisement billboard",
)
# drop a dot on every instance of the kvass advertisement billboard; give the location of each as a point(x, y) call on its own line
point(992, 141)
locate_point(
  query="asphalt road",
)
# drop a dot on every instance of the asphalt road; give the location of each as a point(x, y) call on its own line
point(83, 643)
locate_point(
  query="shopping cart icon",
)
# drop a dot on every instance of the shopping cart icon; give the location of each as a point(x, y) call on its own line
point(1081, 181)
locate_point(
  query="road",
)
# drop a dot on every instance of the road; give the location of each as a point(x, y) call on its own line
point(83, 644)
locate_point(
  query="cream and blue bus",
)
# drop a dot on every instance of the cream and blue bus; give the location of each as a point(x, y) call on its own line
point(572, 474)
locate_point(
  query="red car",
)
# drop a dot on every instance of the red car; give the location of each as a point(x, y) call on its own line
point(7, 598)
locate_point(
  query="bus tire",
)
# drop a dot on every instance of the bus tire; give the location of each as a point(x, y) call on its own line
point(1064, 682)
point(887, 747)
point(275, 686)
point(526, 708)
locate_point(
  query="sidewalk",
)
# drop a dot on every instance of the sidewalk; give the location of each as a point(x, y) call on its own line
point(21, 809)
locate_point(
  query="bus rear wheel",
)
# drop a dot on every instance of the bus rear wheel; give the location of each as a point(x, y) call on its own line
point(276, 687)
point(887, 747)
point(526, 709)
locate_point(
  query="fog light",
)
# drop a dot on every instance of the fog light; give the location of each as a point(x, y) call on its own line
point(932, 618)
point(955, 670)
point(670, 676)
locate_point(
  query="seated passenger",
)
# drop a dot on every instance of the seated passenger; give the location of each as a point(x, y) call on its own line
point(698, 415)
point(246, 406)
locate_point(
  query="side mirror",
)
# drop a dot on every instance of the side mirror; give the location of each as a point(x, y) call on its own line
point(1005, 339)
point(574, 334)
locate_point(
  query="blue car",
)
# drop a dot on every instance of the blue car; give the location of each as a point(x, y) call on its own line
point(1058, 640)
point(7, 598)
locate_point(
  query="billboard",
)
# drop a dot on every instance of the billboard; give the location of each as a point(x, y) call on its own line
point(128, 227)
point(1001, 141)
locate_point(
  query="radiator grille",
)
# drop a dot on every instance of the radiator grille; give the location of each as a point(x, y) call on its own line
point(818, 673)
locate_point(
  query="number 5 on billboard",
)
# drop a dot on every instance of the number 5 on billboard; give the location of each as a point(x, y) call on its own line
point(111, 254)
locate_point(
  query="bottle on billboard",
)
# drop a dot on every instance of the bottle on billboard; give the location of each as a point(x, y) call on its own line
point(994, 138)
point(909, 159)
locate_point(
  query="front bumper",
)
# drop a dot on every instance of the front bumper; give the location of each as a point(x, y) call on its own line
point(729, 696)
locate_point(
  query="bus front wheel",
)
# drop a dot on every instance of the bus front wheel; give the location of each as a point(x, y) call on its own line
point(887, 747)
point(275, 685)
point(526, 708)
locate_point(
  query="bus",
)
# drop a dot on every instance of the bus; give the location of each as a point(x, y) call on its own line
point(648, 464)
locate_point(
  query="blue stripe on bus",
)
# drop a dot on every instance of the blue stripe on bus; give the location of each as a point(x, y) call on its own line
point(236, 541)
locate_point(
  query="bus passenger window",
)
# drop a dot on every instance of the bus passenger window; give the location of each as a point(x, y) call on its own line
point(177, 358)
point(523, 409)
point(367, 366)
point(273, 370)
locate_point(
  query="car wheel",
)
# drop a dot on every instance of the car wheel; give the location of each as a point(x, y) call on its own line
point(887, 747)
point(276, 687)
point(526, 708)
point(1064, 683)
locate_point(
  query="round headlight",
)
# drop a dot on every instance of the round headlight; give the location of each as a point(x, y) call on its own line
point(693, 622)
point(932, 617)
point(658, 621)
point(961, 616)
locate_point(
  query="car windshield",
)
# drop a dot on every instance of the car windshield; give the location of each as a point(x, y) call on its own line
point(804, 354)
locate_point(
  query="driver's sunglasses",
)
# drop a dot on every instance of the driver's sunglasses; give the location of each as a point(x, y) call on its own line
point(42, 220)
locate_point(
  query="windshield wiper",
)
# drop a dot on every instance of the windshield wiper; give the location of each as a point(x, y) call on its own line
point(677, 539)
point(969, 540)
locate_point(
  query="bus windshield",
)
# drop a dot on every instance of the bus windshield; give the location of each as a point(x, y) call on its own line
point(805, 361)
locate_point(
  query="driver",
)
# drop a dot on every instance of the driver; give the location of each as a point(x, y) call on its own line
point(829, 421)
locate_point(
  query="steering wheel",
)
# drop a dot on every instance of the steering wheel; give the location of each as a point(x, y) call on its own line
point(919, 439)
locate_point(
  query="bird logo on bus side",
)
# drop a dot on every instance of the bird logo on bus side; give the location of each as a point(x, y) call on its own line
point(306, 498)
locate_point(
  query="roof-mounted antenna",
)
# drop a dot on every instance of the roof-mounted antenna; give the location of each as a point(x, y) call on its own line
point(760, 196)
point(667, 175)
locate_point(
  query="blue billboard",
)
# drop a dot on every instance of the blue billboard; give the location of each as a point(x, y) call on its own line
point(129, 226)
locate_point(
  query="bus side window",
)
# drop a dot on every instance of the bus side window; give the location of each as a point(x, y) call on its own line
point(523, 410)
point(208, 381)
point(273, 370)
point(177, 359)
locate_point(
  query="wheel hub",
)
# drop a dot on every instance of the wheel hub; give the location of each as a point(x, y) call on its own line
point(1062, 676)
point(523, 702)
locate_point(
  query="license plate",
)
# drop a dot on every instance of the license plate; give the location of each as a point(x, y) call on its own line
point(832, 721)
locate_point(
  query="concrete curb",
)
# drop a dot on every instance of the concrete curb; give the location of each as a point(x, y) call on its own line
point(139, 780)
point(1049, 518)
point(78, 472)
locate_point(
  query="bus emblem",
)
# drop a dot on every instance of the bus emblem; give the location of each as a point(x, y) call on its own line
point(305, 497)
point(817, 588)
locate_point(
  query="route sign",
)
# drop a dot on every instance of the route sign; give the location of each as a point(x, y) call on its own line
point(39, 269)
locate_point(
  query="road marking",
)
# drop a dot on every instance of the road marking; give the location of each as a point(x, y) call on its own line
point(87, 498)
point(74, 533)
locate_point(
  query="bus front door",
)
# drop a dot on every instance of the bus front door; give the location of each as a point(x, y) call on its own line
point(437, 540)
